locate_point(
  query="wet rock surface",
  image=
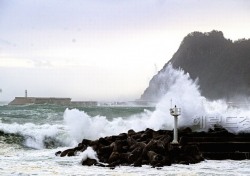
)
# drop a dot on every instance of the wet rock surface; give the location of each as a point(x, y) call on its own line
point(155, 148)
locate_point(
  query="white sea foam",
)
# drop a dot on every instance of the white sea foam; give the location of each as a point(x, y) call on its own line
point(44, 162)
point(81, 125)
point(196, 112)
point(89, 153)
point(35, 134)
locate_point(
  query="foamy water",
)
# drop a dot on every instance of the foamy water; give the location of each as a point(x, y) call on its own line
point(44, 162)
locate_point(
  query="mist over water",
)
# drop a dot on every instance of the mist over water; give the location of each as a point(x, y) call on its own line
point(196, 112)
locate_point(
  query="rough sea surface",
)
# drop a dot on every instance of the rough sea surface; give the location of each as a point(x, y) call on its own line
point(31, 134)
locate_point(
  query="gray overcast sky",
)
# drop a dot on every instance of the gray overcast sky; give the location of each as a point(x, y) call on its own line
point(101, 49)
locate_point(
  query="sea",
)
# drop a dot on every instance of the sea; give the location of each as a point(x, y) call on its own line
point(30, 135)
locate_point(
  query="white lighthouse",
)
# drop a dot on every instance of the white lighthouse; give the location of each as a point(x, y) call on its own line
point(26, 94)
point(175, 112)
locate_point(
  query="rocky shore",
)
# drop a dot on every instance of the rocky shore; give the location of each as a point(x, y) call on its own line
point(154, 148)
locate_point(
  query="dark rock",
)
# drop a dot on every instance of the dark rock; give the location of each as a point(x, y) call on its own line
point(65, 152)
point(94, 144)
point(192, 153)
point(186, 130)
point(155, 148)
point(120, 146)
point(115, 156)
point(151, 146)
point(125, 157)
point(80, 147)
point(89, 162)
point(140, 145)
point(184, 162)
point(135, 154)
point(131, 141)
point(136, 136)
point(122, 136)
point(105, 150)
point(154, 158)
point(104, 141)
point(131, 132)
point(71, 153)
point(138, 163)
point(58, 153)
point(86, 142)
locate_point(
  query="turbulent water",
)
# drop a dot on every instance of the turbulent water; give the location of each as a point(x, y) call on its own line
point(31, 134)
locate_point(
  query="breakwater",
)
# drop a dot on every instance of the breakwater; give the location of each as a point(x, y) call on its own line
point(68, 101)
point(155, 148)
point(40, 100)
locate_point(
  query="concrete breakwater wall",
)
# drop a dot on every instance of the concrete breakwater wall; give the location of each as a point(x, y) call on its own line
point(84, 103)
point(40, 100)
point(67, 101)
point(156, 149)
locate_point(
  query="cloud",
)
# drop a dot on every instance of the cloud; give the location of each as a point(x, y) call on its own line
point(6, 43)
point(42, 63)
point(10, 62)
point(14, 62)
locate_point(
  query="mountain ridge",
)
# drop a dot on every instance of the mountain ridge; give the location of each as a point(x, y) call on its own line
point(221, 65)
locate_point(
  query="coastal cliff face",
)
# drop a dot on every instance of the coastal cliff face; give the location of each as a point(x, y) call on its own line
point(221, 66)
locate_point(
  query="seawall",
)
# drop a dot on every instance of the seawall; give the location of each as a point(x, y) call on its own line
point(156, 148)
point(40, 100)
point(67, 101)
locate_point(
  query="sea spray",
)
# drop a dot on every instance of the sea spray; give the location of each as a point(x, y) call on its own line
point(81, 125)
point(165, 79)
point(89, 153)
point(181, 90)
point(184, 92)
point(37, 136)
point(196, 109)
point(197, 112)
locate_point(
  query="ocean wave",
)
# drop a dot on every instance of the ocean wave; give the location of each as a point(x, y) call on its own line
point(81, 125)
point(11, 138)
point(35, 136)
point(196, 112)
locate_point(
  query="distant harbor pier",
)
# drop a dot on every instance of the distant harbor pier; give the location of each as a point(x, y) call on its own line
point(67, 101)
point(40, 100)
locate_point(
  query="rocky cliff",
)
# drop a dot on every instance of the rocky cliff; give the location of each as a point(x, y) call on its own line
point(221, 66)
